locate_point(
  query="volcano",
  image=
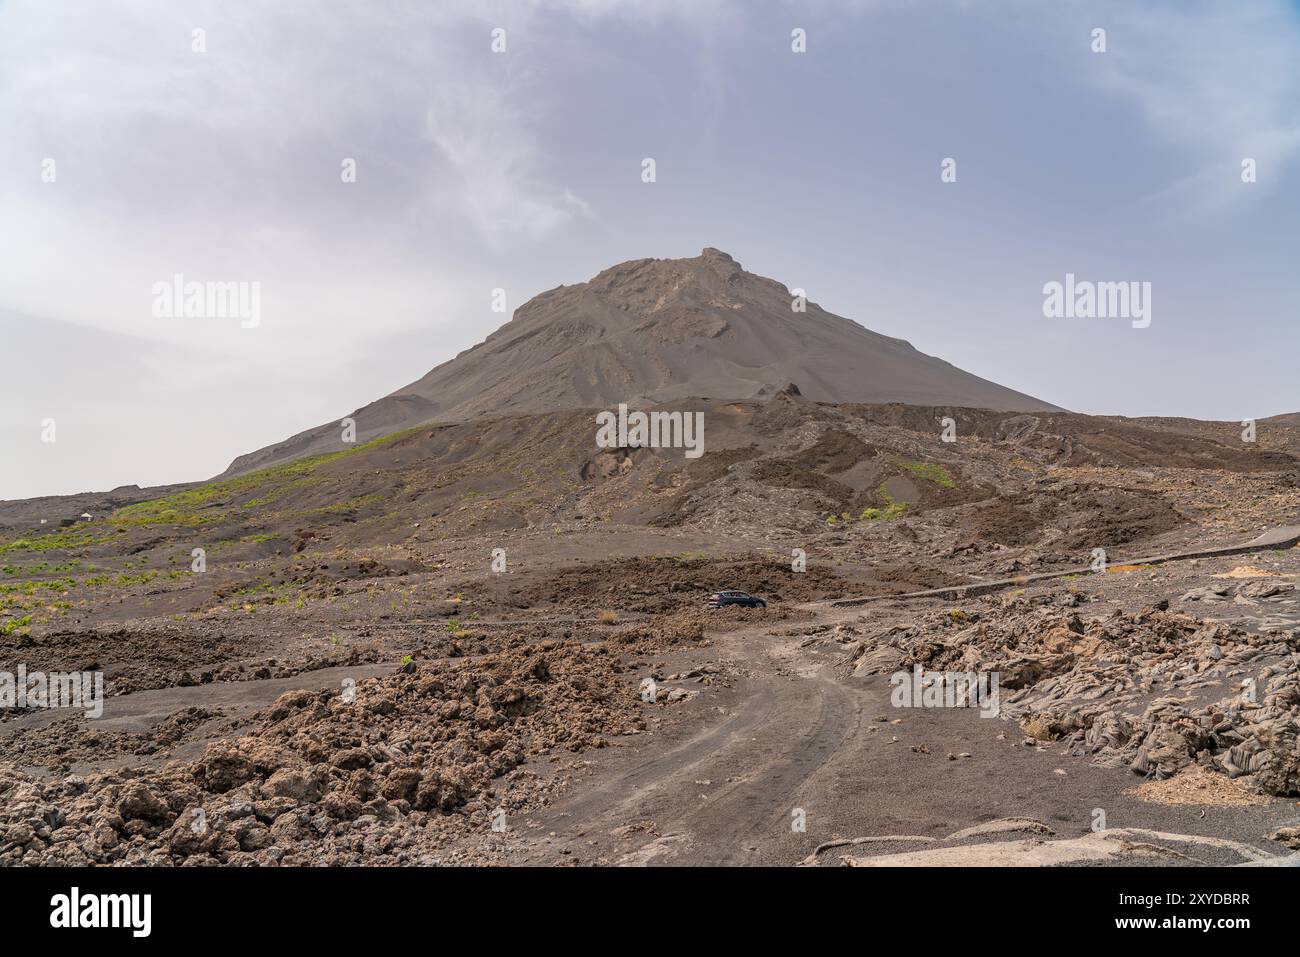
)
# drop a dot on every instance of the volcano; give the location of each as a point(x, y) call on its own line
point(661, 330)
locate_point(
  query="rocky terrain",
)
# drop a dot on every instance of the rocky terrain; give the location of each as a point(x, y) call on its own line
point(435, 648)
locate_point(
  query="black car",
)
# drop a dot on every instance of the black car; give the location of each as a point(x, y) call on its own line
point(743, 599)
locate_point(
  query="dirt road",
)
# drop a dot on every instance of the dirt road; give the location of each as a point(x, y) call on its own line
point(726, 789)
point(792, 755)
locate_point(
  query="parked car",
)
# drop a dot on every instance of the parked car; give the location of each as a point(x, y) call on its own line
point(743, 599)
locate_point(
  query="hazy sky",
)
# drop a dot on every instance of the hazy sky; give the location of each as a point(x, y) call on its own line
point(522, 170)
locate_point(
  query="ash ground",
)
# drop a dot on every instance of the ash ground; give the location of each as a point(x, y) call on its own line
point(350, 682)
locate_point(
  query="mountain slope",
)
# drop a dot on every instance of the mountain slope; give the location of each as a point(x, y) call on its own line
point(654, 330)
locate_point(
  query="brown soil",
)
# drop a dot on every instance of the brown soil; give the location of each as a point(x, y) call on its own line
point(1196, 786)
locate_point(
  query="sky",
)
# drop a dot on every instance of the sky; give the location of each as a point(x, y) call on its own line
point(133, 149)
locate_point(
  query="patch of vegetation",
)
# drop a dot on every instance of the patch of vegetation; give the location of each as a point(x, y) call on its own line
point(930, 471)
point(892, 510)
point(16, 624)
point(264, 588)
point(208, 503)
point(54, 540)
point(893, 507)
point(350, 505)
point(126, 579)
point(53, 584)
point(40, 568)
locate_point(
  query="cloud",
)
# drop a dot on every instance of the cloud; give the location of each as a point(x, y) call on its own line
point(1221, 81)
point(491, 157)
point(201, 153)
